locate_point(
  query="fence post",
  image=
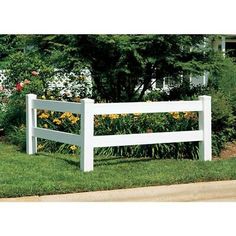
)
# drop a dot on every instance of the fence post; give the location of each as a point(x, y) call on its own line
point(205, 152)
point(31, 122)
point(87, 132)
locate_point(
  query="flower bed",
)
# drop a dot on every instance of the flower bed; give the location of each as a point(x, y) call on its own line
point(124, 124)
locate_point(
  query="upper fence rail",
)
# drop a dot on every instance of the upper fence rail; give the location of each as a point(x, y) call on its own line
point(146, 107)
point(120, 108)
point(56, 106)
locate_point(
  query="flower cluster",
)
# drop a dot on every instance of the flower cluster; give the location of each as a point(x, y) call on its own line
point(110, 116)
point(190, 115)
point(44, 116)
point(68, 115)
point(73, 148)
point(58, 120)
point(175, 115)
point(20, 85)
point(186, 115)
point(113, 116)
point(40, 147)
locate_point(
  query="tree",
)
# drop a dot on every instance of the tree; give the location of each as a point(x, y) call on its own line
point(123, 66)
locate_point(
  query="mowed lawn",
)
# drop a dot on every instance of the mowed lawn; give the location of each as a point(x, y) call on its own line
point(22, 175)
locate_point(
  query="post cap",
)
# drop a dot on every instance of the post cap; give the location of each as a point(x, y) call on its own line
point(205, 97)
point(87, 100)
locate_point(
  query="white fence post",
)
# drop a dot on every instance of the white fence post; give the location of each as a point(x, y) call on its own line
point(31, 121)
point(87, 132)
point(205, 152)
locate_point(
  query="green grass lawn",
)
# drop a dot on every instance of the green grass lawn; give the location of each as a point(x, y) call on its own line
point(41, 174)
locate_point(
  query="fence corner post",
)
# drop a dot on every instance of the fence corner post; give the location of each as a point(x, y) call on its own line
point(31, 122)
point(87, 132)
point(205, 152)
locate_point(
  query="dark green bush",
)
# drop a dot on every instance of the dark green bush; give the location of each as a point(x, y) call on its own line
point(17, 136)
point(223, 121)
point(224, 80)
point(222, 112)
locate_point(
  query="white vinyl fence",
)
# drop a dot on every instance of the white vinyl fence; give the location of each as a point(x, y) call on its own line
point(87, 141)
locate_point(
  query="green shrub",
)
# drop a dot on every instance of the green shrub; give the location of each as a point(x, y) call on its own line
point(222, 112)
point(223, 121)
point(17, 136)
point(185, 92)
point(224, 80)
point(15, 106)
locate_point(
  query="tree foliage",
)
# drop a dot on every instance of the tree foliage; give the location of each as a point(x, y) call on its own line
point(123, 66)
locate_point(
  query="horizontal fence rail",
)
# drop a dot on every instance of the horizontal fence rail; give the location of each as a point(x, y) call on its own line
point(150, 138)
point(147, 107)
point(87, 141)
point(57, 136)
point(57, 106)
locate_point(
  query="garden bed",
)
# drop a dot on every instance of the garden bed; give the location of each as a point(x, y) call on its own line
point(228, 151)
point(23, 175)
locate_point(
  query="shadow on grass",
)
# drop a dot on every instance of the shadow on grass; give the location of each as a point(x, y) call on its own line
point(104, 161)
point(107, 162)
point(119, 160)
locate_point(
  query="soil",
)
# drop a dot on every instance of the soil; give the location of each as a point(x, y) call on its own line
point(228, 152)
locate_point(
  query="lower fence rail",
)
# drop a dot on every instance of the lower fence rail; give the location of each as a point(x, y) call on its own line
point(57, 136)
point(150, 138)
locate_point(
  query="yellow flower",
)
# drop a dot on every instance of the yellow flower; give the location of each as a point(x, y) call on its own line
point(73, 147)
point(77, 99)
point(43, 97)
point(66, 115)
point(44, 116)
point(51, 97)
point(40, 146)
point(113, 116)
point(189, 115)
point(57, 121)
point(73, 119)
point(136, 115)
point(175, 115)
point(45, 126)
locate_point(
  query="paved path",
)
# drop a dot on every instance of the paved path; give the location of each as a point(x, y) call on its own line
point(204, 191)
